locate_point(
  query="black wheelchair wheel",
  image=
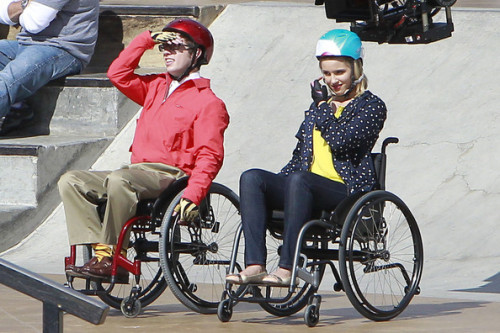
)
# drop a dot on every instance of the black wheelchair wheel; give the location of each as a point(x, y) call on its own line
point(225, 311)
point(195, 258)
point(311, 315)
point(381, 256)
point(143, 245)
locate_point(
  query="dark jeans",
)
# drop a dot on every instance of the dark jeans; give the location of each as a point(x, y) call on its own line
point(299, 195)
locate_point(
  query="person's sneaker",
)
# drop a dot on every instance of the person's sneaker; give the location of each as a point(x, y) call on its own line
point(19, 114)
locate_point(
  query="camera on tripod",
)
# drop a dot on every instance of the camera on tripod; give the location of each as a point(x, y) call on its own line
point(393, 21)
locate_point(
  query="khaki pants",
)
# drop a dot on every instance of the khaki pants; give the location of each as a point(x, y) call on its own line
point(81, 191)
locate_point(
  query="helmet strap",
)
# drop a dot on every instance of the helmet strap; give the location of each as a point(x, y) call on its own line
point(358, 81)
point(193, 65)
point(354, 83)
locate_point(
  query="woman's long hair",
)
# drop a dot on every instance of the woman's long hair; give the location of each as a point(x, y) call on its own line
point(357, 66)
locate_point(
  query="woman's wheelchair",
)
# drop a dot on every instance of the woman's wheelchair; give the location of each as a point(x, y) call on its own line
point(373, 237)
point(191, 259)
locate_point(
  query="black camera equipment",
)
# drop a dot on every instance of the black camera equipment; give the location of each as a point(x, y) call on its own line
point(393, 21)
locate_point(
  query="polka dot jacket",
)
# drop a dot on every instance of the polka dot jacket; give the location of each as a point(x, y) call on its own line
point(351, 138)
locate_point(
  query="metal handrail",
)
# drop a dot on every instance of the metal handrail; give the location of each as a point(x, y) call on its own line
point(55, 297)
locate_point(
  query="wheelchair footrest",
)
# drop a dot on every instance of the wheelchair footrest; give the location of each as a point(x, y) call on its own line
point(90, 292)
point(107, 279)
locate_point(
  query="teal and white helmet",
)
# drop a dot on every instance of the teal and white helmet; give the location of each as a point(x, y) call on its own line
point(339, 43)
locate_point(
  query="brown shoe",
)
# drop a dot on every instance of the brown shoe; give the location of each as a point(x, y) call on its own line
point(78, 270)
point(102, 270)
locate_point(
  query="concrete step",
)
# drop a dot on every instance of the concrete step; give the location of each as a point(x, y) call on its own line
point(84, 104)
point(44, 159)
point(31, 168)
point(119, 24)
point(76, 118)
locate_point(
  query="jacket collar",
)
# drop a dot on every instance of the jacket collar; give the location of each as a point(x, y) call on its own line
point(198, 81)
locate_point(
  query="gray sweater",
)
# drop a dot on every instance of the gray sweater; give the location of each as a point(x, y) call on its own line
point(74, 29)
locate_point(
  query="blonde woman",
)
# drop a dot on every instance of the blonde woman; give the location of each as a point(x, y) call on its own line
point(331, 160)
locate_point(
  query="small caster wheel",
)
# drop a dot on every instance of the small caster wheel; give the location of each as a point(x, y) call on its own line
point(130, 308)
point(338, 287)
point(311, 315)
point(225, 311)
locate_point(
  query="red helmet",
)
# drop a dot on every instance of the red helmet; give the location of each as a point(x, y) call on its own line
point(198, 33)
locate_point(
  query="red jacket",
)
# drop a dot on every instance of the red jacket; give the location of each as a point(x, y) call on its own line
point(185, 130)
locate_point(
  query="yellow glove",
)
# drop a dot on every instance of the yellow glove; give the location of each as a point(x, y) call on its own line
point(164, 36)
point(187, 209)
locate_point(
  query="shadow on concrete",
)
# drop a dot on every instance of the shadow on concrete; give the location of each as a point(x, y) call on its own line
point(493, 286)
point(332, 315)
point(152, 311)
point(43, 106)
point(109, 42)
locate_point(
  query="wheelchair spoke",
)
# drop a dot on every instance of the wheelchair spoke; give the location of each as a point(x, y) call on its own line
point(196, 257)
point(388, 243)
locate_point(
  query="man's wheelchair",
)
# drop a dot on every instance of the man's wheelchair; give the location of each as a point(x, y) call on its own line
point(373, 237)
point(191, 259)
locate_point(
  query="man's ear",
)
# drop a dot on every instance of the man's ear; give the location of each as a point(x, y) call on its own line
point(198, 53)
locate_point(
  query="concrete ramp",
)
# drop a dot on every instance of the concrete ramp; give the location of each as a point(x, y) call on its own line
point(443, 101)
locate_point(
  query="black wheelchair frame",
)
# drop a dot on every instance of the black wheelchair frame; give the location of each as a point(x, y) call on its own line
point(191, 259)
point(377, 245)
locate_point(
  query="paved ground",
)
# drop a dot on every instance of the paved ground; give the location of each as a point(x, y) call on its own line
point(19, 314)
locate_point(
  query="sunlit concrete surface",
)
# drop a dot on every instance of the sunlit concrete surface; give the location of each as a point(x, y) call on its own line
point(20, 314)
point(442, 101)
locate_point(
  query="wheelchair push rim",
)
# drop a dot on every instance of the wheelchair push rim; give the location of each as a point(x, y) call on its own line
point(381, 256)
point(195, 258)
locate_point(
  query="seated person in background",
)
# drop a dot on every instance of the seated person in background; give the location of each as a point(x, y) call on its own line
point(331, 160)
point(57, 39)
point(180, 132)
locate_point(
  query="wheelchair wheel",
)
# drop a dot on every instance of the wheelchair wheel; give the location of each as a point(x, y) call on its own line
point(143, 245)
point(194, 258)
point(381, 256)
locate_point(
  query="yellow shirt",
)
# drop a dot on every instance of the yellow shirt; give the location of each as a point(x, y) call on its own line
point(322, 155)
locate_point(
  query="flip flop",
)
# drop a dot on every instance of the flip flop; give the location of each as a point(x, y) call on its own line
point(245, 279)
point(276, 281)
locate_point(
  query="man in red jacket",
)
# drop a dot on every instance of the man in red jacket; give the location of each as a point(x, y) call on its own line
point(180, 132)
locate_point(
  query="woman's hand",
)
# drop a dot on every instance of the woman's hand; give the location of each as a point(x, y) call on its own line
point(319, 92)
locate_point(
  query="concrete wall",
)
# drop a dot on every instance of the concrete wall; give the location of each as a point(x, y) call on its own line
point(443, 105)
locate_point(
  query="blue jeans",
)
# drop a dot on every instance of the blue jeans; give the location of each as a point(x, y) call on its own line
point(26, 68)
point(300, 195)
